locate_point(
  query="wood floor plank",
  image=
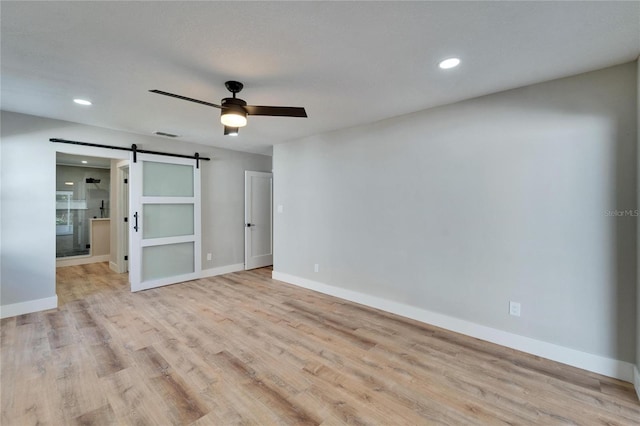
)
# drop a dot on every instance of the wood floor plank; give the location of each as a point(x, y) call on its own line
point(76, 382)
point(100, 416)
point(242, 348)
point(131, 399)
point(182, 401)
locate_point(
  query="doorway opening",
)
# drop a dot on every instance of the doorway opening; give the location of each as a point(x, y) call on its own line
point(89, 206)
point(82, 208)
point(258, 214)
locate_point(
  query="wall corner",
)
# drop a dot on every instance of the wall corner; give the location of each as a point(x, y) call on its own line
point(636, 369)
point(636, 381)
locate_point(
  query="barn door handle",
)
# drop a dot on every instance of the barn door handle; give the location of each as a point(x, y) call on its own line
point(135, 226)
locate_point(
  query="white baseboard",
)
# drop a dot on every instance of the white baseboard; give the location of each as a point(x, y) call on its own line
point(28, 307)
point(84, 260)
point(636, 380)
point(118, 269)
point(221, 270)
point(598, 364)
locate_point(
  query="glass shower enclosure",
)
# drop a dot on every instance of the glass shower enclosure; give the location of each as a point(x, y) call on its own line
point(82, 193)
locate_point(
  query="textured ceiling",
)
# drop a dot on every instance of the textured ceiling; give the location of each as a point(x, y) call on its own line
point(348, 63)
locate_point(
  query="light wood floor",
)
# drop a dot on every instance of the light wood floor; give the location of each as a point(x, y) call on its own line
point(245, 349)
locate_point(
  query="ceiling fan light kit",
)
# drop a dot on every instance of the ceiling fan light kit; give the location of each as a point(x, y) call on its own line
point(231, 131)
point(234, 111)
point(233, 118)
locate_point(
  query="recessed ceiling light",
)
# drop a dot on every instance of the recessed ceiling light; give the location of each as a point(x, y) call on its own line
point(82, 102)
point(84, 161)
point(449, 63)
point(68, 183)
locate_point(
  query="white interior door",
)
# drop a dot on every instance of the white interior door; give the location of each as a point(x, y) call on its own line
point(258, 231)
point(164, 221)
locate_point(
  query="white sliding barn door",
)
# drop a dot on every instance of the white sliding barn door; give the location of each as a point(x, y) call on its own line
point(164, 221)
point(258, 231)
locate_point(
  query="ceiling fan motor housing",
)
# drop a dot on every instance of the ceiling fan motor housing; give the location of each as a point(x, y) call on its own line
point(231, 102)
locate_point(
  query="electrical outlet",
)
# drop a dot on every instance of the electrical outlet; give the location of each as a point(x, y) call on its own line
point(316, 268)
point(280, 208)
point(208, 256)
point(514, 309)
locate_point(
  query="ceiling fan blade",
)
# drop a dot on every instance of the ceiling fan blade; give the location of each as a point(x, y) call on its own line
point(276, 111)
point(184, 98)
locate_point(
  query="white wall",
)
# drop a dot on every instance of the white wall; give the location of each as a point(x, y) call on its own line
point(28, 199)
point(460, 209)
point(28, 188)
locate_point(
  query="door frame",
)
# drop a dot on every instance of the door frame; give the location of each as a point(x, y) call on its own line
point(122, 211)
point(91, 151)
point(248, 219)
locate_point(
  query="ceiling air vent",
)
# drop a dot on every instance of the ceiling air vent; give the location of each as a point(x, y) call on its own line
point(169, 135)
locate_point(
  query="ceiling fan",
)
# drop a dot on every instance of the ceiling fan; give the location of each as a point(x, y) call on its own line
point(234, 110)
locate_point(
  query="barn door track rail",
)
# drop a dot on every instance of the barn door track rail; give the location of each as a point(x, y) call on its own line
point(134, 149)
